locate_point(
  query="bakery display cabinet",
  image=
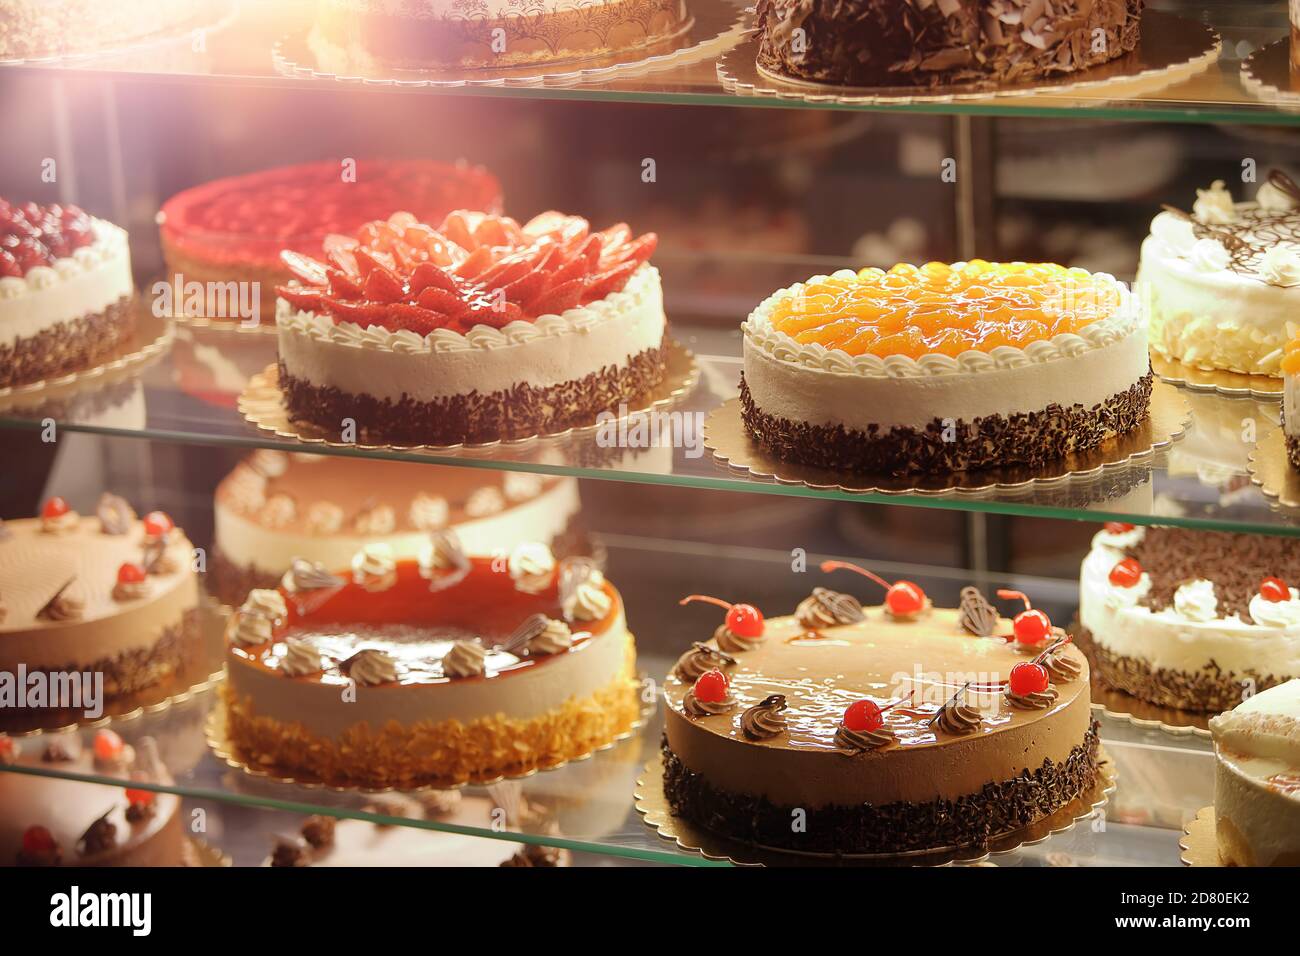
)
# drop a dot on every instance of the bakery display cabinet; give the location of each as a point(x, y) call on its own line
point(596, 434)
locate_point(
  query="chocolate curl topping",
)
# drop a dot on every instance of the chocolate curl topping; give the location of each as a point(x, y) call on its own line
point(961, 691)
point(1280, 180)
point(573, 572)
point(977, 615)
point(56, 608)
point(840, 606)
point(529, 628)
point(714, 653)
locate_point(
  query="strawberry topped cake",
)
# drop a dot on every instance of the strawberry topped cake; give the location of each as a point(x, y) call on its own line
point(234, 229)
point(65, 291)
point(476, 330)
point(944, 368)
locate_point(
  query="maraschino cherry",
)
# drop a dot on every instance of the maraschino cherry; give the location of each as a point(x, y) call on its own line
point(141, 798)
point(130, 573)
point(743, 620)
point(711, 687)
point(1027, 677)
point(157, 524)
point(38, 840)
point(903, 598)
point(1125, 574)
point(1032, 627)
point(108, 745)
point(864, 716)
point(1118, 527)
point(55, 507)
point(1274, 590)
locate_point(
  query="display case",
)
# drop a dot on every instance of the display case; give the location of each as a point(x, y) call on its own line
point(205, 419)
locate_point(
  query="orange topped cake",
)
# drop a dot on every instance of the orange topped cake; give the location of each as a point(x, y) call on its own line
point(1291, 399)
point(941, 368)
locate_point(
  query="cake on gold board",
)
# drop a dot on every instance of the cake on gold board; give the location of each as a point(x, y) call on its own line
point(899, 728)
point(276, 506)
point(440, 670)
point(1257, 779)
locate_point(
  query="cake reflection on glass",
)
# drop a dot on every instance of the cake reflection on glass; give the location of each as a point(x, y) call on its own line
point(446, 668)
point(276, 506)
point(944, 368)
point(477, 330)
point(892, 728)
point(1193, 620)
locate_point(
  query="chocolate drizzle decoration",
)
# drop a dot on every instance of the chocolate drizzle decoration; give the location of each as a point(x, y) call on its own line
point(700, 659)
point(1255, 231)
point(765, 719)
point(115, 514)
point(529, 628)
point(976, 614)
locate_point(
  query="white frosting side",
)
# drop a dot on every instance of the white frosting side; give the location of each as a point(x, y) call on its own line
point(1174, 639)
point(1291, 404)
point(551, 350)
point(249, 544)
point(808, 382)
point(89, 280)
point(1202, 313)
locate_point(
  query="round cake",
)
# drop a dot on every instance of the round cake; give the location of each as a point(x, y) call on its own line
point(441, 670)
point(1291, 400)
point(1195, 620)
point(846, 729)
point(109, 595)
point(943, 368)
point(475, 331)
point(33, 29)
point(1257, 779)
point(232, 230)
point(277, 506)
point(49, 821)
point(941, 42)
point(370, 37)
point(66, 290)
point(1221, 287)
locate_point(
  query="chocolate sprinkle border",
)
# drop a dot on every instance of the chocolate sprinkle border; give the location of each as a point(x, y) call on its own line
point(520, 412)
point(1028, 438)
point(970, 821)
point(68, 346)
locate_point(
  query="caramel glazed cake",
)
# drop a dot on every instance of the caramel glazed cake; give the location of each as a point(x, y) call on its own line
point(944, 368)
point(110, 594)
point(51, 822)
point(1194, 620)
point(1257, 779)
point(438, 670)
point(901, 728)
point(932, 43)
point(277, 506)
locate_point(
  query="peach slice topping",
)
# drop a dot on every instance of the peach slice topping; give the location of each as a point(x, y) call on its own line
point(948, 309)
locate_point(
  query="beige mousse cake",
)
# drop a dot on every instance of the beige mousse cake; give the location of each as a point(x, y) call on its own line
point(893, 729)
point(109, 593)
point(1257, 779)
point(401, 673)
point(276, 506)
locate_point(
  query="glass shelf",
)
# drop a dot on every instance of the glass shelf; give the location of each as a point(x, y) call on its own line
point(189, 396)
point(587, 807)
point(240, 51)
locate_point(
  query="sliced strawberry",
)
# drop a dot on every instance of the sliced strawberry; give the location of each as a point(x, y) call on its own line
point(383, 286)
point(615, 235)
point(403, 315)
point(362, 313)
point(575, 268)
point(604, 283)
point(590, 250)
point(527, 287)
point(309, 300)
point(518, 264)
point(342, 285)
point(440, 300)
point(459, 228)
point(559, 299)
point(428, 275)
point(568, 231)
point(497, 314)
point(368, 260)
point(305, 268)
point(640, 249)
point(490, 231)
point(478, 261)
point(343, 260)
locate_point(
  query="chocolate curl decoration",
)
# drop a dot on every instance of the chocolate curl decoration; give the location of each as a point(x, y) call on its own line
point(573, 572)
point(1052, 649)
point(528, 629)
point(976, 614)
point(948, 703)
point(1281, 181)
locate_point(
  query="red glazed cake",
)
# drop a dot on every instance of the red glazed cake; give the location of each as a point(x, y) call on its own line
point(234, 229)
point(477, 330)
point(65, 291)
point(401, 673)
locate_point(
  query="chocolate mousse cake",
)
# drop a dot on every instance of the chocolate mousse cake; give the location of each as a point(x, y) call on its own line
point(48, 821)
point(1257, 779)
point(940, 43)
point(108, 594)
point(477, 330)
point(441, 670)
point(943, 368)
point(1195, 620)
point(276, 507)
point(886, 729)
point(234, 229)
point(66, 292)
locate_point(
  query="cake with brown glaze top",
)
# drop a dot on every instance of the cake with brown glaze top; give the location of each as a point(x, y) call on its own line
point(939, 43)
point(895, 728)
point(276, 506)
point(449, 668)
point(108, 593)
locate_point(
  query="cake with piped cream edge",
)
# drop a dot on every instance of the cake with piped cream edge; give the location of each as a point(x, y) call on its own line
point(1194, 620)
point(1221, 285)
point(1257, 779)
point(944, 368)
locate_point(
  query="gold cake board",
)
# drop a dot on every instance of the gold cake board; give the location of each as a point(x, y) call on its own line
point(1217, 381)
point(725, 435)
point(1171, 49)
point(652, 804)
point(1266, 73)
point(262, 404)
point(1200, 845)
point(1272, 471)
